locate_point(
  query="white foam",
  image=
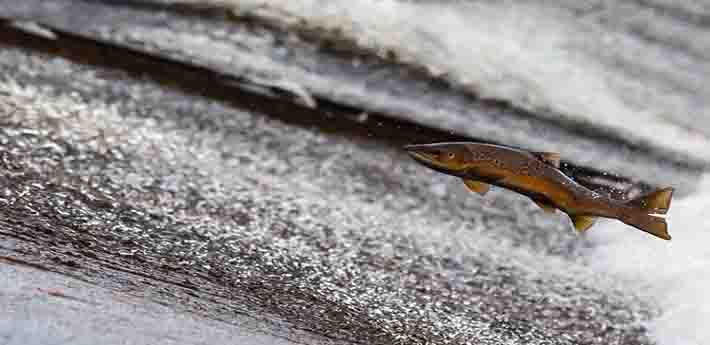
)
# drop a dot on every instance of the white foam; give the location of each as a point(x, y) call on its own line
point(535, 56)
point(675, 274)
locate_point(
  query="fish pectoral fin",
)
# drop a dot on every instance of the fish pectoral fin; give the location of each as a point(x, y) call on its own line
point(476, 186)
point(552, 158)
point(545, 206)
point(582, 223)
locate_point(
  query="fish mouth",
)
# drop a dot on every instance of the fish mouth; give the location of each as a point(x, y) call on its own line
point(420, 155)
point(428, 156)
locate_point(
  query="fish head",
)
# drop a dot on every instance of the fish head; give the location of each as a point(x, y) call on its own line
point(448, 158)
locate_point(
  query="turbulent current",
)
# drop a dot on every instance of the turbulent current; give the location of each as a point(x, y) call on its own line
point(676, 274)
point(227, 162)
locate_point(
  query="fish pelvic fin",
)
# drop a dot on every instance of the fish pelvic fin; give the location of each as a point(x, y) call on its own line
point(651, 224)
point(476, 186)
point(658, 201)
point(582, 223)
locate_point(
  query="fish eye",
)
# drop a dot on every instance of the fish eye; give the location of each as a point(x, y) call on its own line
point(451, 155)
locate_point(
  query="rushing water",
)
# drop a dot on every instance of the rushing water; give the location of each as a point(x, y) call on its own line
point(585, 64)
point(549, 57)
point(675, 274)
point(591, 65)
point(561, 62)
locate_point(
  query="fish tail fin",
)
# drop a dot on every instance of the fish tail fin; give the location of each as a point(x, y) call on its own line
point(657, 201)
point(649, 206)
point(653, 225)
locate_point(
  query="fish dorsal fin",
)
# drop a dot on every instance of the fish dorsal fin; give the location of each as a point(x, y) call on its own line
point(552, 158)
point(545, 206)
point(582, 223)
point(476, 186)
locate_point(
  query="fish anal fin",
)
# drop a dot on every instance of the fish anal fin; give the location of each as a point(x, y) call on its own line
point(477, 186)
point(552, 158)
point(582, 223)
point(545, 206)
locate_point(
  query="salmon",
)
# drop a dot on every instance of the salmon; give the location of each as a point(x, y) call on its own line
point(537, 176)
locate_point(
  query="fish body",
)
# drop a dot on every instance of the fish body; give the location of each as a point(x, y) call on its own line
point(537, 176)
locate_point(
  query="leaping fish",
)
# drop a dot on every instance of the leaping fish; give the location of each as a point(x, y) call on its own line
point(537, 176)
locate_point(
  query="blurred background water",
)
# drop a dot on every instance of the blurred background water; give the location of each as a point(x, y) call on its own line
point(618, 88)
point(573, 62)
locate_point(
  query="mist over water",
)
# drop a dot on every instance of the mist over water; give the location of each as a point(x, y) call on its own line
point(675, 275)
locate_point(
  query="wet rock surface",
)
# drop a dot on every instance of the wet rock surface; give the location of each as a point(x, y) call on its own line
point(248, 211)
